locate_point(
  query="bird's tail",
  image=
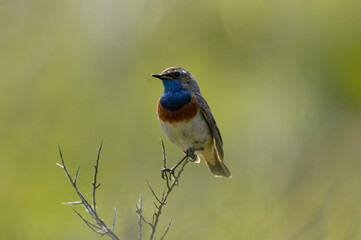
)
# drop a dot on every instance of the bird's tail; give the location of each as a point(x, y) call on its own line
point(215, 163)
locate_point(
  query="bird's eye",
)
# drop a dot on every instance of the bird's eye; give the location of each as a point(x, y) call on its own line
point(177, 74)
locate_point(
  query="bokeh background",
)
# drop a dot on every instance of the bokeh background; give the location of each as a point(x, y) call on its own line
point(283, 79)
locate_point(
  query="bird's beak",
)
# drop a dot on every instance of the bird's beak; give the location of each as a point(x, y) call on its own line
point(160, 76)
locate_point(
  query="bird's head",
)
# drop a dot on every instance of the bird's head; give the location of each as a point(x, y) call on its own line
point(178, 78)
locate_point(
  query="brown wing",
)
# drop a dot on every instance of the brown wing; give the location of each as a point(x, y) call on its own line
point(208, 116)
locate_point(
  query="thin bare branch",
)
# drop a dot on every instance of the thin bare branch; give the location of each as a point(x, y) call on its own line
point(76, 175)
point(158, 211)
point(165, 162)
point(167, 175)
point(153, 219)
point(100, 227)
point(95, 185)
point(151, 189)
point(64, 166)
point(72, 203)
point(115, 216)
point(60, 165)
point(164, 155)
point(86, 221)
point(167, 229)
point(141, 216)
point(140, 212)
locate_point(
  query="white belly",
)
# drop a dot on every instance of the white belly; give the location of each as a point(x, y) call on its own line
point(194, 133)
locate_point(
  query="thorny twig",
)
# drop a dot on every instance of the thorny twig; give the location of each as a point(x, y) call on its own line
point(170, 184)
point(99, 226)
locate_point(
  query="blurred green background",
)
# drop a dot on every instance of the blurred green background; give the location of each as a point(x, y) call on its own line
point(283, 79)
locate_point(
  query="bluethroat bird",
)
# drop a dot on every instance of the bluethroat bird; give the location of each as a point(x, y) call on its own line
point(188, 122)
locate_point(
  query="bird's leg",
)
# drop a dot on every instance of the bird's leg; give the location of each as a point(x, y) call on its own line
point(190, 153)
point(171, 170)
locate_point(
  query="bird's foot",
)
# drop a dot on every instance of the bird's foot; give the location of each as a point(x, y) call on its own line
point(164, 172)
point(190, 153)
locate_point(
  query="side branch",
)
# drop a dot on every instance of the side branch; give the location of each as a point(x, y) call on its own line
point(171, 180)
point(94, 183)
point(99, 226)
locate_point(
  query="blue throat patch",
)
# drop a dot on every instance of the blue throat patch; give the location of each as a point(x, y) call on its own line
point(174, 96)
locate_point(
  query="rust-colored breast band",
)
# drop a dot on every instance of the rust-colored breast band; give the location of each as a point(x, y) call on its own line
point(186, 113)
